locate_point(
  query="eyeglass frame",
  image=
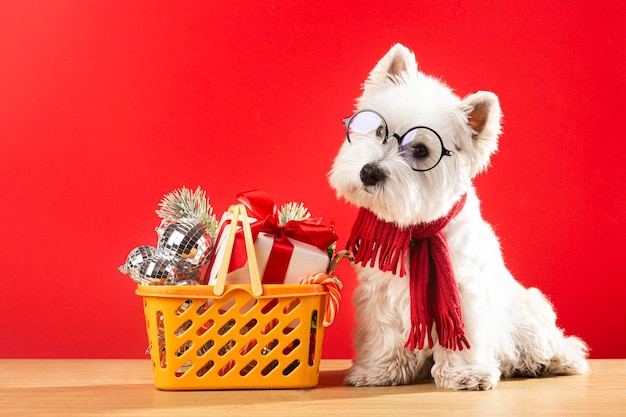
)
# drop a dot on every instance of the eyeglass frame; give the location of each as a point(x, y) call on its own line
point(444, 150)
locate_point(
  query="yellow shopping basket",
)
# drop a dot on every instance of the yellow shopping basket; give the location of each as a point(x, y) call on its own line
point(244, 336)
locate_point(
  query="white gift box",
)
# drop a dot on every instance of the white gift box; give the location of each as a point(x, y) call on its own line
point(305, 259)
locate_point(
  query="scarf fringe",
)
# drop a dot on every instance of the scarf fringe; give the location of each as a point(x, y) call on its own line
point(365, 241)
point(449, 335)
point(434, 297)
point(445, 335)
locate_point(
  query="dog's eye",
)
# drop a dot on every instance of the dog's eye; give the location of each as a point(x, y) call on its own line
point(422, 148)
point(420, 151)
point(380, 132)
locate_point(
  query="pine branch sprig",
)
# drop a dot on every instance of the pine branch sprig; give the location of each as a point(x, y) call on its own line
point(183, 203)
point(292, 211)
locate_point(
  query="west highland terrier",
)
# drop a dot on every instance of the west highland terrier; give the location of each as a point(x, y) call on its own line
point(434, 295)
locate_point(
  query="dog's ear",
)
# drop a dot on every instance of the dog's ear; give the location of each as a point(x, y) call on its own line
point(483, 119)
point(396, 67)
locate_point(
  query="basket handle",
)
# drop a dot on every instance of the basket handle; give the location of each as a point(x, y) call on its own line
point(255, 278)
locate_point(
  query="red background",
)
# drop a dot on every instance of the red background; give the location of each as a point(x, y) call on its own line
point(107, 105)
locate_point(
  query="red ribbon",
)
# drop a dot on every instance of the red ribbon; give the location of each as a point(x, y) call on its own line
point(262, 207)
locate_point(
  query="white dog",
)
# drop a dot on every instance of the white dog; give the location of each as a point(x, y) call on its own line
point(432, 301)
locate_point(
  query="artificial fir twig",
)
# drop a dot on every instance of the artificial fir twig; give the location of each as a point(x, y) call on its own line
point(183, 203)
point(292, 211)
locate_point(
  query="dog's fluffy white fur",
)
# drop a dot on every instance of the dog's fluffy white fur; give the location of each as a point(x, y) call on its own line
point(512, 330)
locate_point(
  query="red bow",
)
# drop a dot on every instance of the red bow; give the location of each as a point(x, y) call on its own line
point(262, 207)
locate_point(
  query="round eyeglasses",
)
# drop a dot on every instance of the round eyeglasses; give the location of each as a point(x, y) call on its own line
point(420, 146)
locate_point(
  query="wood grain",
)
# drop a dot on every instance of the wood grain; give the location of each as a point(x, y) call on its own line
point(124, 388)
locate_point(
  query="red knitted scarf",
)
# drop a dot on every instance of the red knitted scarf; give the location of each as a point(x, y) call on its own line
point(433, 292)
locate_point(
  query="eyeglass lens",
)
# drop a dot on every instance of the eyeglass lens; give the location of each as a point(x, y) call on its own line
point(367, 124)
point(421, 147)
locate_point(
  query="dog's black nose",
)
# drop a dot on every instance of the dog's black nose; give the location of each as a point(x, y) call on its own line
point(371, 174)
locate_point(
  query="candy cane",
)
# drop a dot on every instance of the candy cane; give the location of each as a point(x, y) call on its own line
point(332, 285)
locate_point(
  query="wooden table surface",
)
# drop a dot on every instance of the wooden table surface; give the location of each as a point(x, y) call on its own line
point(125, 388)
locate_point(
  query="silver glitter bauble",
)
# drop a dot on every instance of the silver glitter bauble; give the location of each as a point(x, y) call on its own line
point(190, 272)
point(135, 259)
point(186, 243)
point(157, 271)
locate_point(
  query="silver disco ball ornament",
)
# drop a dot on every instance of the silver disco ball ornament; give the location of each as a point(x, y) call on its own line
point(157, 271)
point(135, 259)
point(190, 272)
point(186, 243)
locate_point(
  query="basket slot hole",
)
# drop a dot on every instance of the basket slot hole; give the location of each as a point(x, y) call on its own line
point(291, 306)
point(291, 346)
point(230, 303)
point(269, 347)
point(206, 306)
point(226, 327)
point(291, 326)
point(247, 327)
point(291, 367)
point(269, 368)
point(248, 306)
point(313, 338)
point(269, 326)
point(183, 307)
point(205, 348)
point(161, 339)
point(184, 368)
point(227, 347)
point(269, 306)
point(184, 348)
point(183, 328)
point(206, 326)
point(205, 368)
point(249, 367)
point(226, 368)
point(248, 347)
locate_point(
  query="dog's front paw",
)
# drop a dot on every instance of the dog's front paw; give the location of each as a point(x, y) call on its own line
point(360, 376)
point(473, 377)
